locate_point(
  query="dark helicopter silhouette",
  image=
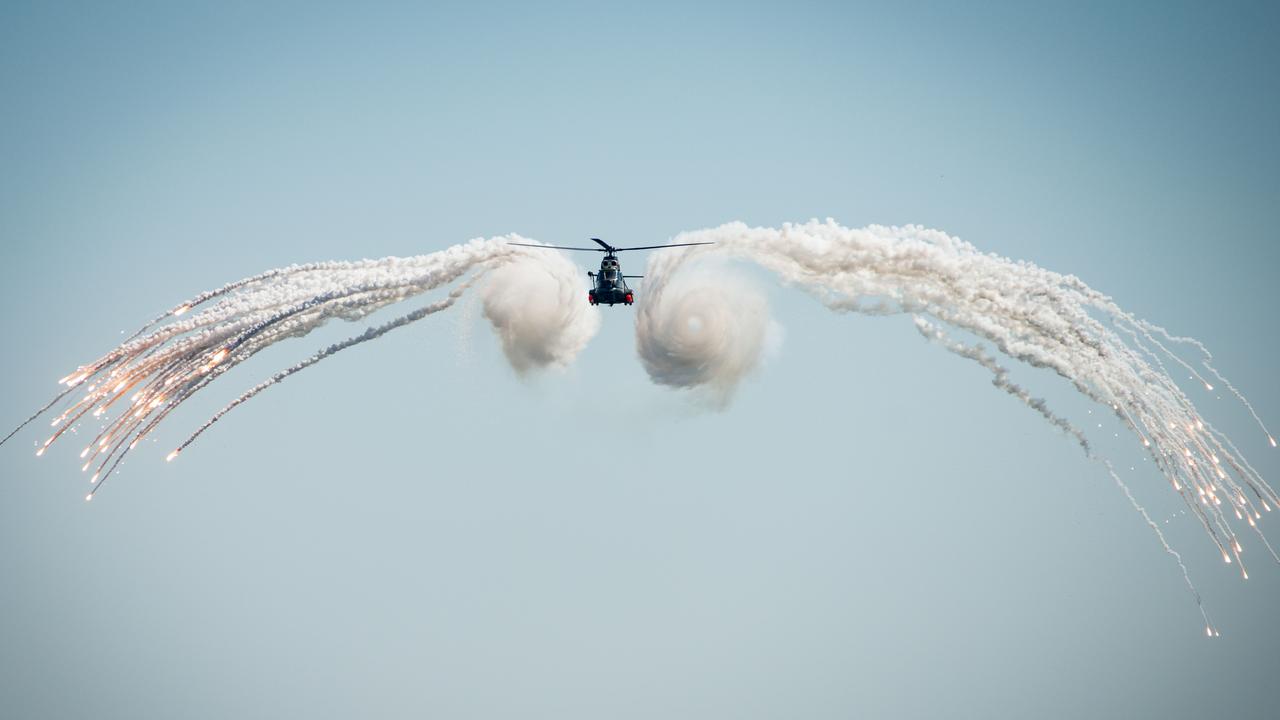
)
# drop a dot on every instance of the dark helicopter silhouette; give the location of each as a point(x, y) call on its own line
point(610, 284)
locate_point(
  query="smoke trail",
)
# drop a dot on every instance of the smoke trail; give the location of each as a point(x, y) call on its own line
point(1032, 315)
point(1207, 361)
point(1000, 378)
point(372, 333)
point(178, 354)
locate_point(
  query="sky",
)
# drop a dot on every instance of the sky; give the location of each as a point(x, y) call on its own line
point(411, 529)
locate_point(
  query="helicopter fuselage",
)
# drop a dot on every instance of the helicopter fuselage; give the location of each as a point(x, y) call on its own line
point(610, 285)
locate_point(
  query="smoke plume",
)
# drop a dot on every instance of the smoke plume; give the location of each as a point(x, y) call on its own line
point(537, 305)
point(707, 328)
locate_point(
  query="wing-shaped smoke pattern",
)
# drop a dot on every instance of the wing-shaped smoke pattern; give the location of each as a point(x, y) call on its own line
point(180, 352)
point(702, 331)
point(1032, 315)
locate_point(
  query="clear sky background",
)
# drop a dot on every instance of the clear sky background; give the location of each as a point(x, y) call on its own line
point(409, 530)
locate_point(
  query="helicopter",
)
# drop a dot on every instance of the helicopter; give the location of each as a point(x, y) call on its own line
point(610, 285)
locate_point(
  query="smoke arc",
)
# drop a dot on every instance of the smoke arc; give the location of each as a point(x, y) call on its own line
point(1029, 314)
point(136, 385)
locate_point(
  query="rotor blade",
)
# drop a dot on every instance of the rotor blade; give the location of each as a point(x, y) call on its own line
point(603, 244)
point(632, 276)
point(555, 247)
point(659, 247)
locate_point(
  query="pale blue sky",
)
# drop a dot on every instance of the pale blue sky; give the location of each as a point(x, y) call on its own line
point(410, 531)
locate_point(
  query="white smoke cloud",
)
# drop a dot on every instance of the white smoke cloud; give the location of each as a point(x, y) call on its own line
point(537, 304)
point(707, 327)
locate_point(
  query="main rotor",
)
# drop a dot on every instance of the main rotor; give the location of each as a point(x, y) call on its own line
point(607, 248)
